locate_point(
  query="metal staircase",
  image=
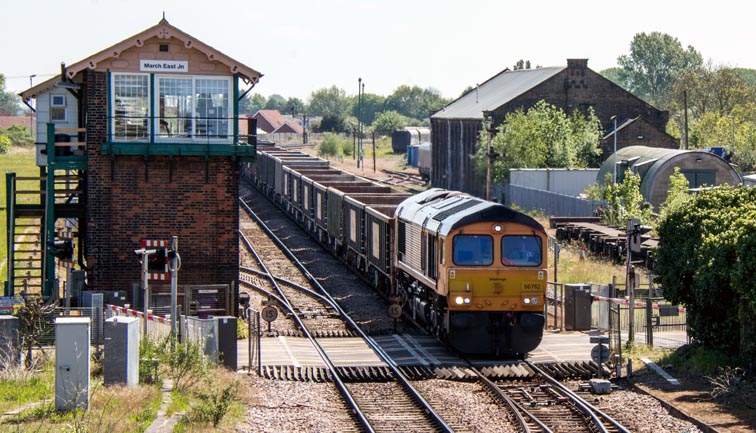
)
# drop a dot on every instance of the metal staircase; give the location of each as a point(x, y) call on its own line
point(35, 209)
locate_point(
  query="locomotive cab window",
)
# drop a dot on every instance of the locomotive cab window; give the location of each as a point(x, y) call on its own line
point(521, 250)
point(472, 250)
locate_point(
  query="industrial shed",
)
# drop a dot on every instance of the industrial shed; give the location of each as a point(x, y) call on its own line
point(456, 127)
point(655, 166)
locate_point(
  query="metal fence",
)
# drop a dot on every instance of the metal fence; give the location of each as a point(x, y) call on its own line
point(549, 203)
point(656, 322)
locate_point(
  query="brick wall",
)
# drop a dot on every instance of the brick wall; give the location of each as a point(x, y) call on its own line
point(133, 198)
point(577, 88)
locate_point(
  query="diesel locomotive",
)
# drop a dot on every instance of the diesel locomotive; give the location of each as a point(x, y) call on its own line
point(472, 271)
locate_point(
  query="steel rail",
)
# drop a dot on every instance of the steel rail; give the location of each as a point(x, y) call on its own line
point(285, 281)
point(401, 378)
point(586, 407)
point(515, 407)
point(318, 348)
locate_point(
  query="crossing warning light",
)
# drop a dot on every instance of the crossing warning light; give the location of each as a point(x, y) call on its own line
point(62, 249)
point(158, 263)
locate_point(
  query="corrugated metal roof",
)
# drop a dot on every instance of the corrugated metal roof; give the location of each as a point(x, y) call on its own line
point(640, 155)
point(496, 92)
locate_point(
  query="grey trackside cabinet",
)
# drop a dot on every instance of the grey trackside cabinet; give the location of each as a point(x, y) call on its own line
point(121, 362)
point(226, 326)
point(71, 362)
point(577, 307)
point(10, 350)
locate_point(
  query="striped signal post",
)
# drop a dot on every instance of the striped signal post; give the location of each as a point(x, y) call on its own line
point(148, 249)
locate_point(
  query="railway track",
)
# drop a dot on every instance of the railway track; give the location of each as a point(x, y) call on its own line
point(542, 403)
point(368, 402)
point(386, 399)
point(402, 178)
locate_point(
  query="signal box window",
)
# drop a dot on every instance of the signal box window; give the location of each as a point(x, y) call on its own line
point(57, 108)
point(472, 250)
point(131, 109)
point(521, 250)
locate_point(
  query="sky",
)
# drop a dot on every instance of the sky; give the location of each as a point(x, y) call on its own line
point(301, 46)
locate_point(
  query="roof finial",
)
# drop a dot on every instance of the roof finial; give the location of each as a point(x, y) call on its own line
point(164, 21)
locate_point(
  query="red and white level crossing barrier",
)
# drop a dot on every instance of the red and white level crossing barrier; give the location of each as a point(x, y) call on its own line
point(123, 311)
point(641, 304)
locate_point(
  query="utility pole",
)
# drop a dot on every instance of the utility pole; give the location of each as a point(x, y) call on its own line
point(31, 114)
point(685, 111)
point(362, 152)
point(358, 138)
point(488, 125)
point(614, 119)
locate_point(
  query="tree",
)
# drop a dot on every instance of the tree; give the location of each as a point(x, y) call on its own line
point(372, 105)
point(710, 89)
point(544, 136)
point(251, 104)
point(677, 195)
point(388, 122)
point(624, 201)
point(654, 62)
point(294, 106)
point(414, 102)
point(331, 123)
point(617, 76)
point(330, 101)
point(276, 102)
point(705, 261)
point(9, 102)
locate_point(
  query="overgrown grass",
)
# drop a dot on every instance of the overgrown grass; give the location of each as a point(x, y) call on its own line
point(22, 161)
point(112, 409)
point(698, 360)
point(20, 387)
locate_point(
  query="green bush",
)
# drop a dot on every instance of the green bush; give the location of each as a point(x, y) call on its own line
point(330, 145)
point(18, 135)
point(216, 402)
point(5, 145)
point(184, 363)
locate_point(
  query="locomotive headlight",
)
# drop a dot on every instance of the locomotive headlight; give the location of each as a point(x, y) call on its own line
point(534, 301)
point(497, 228)
point(526, 301)
point(459, 300)
point(467, 300)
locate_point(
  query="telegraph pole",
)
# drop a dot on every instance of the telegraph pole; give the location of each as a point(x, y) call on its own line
point(358, 144)
point(488, 125)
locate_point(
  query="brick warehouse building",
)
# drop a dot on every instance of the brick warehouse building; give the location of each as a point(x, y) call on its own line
point(158, 119)
point(455, 128)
